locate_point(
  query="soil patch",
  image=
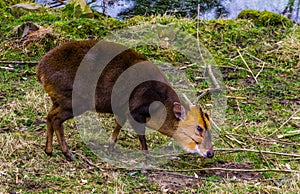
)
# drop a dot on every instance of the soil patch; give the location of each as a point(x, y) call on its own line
point(231, 174)
point(173, 182)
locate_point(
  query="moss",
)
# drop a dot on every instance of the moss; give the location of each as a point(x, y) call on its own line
point(265, 18)
point(2, 4)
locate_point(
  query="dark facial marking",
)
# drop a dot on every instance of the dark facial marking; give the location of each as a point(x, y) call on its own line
point(203, 118)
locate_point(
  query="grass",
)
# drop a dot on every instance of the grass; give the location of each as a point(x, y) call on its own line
point(255, 111)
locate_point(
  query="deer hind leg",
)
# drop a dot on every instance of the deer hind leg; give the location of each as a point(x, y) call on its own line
point(56, 117)
point(114, 135)
point(50, 131)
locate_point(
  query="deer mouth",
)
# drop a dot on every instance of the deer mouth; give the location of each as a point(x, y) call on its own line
point(197, 148)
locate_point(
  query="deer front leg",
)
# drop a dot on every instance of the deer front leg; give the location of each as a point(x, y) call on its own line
point(143, 143)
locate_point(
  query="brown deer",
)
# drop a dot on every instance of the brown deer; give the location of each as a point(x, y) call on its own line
point(57, 72)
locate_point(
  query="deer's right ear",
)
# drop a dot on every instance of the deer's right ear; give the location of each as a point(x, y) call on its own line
point(179, 111)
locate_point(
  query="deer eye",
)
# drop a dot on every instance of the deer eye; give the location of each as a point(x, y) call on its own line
point(200, 129)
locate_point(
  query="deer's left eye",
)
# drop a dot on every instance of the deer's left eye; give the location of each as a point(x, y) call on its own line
point(200, 129)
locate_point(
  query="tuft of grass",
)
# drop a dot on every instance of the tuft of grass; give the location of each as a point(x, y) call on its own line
point(265, 18)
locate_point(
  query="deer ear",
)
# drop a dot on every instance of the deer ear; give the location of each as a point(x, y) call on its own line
point(179, 111)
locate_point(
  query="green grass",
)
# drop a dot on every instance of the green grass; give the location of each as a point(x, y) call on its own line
point(255, 111)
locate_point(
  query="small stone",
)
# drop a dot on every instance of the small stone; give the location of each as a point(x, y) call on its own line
point(18, 10)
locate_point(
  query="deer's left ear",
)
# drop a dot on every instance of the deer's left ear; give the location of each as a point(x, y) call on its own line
point(179, 111)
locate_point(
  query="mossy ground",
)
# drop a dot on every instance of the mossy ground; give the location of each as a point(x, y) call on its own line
point(258, 112)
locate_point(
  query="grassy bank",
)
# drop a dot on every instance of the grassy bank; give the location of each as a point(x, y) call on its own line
point(260, 68)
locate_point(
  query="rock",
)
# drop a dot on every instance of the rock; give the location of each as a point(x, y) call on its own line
point(83, 7)
point(23, 30)
point(21, 9)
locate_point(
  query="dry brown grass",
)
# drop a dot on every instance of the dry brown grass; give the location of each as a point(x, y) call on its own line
point(289, 48)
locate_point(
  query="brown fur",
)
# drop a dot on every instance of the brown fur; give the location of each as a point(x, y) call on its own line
point(56, 72)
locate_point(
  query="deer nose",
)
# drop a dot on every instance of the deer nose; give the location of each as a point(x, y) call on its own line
point(210, 153)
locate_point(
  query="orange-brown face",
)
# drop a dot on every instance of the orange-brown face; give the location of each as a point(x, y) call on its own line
point(194, 134)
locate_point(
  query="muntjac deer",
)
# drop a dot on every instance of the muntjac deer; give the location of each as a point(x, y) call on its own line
point(187, 124)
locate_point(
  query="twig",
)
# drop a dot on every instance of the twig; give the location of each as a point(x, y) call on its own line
point(214, 80)
point(293, 132)
point(175, 174)
point(20, 62)
point(208, 66)
point(284, 123)
point(235, 140)
point(170, 171)
point(236, 170)
point(227, 135)
point(264, 139)
point(207, 91)
point(7, 68)
point(204, 93)
point(259, 60)
point(238, 150)
point(288, 135)
point(250, 71)
point(236, 97)
point(261, 69)
point(88, 161)
point(289, 159)
point(255, 151)
point(187, 66)
point(215, 124)
point(220, 130)
point(233, 67)
point(198, 168)
point(275, 182)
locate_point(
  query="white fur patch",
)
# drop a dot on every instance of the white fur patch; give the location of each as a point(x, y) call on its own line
point(197, 150)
